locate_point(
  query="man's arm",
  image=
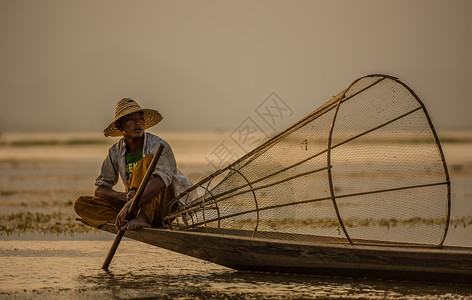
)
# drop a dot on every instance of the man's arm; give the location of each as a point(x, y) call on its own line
point(110, 194)
point(155, 186)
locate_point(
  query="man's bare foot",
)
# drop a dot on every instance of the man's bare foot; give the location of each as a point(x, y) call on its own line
point(139, 222)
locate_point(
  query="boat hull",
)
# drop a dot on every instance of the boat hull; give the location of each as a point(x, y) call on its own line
point(256, 254)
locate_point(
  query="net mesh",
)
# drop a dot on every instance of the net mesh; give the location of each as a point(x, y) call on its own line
point(366, 167)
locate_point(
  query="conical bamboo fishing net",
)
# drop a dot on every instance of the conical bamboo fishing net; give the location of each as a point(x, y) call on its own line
point(366, 167)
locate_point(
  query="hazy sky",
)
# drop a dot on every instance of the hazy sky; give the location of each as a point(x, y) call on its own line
point(209, 64)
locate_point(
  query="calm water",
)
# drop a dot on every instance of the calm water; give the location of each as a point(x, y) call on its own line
point(47, 179)
point(71, 269)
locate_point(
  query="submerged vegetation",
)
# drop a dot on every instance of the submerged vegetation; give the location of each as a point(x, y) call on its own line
point(59, 223)
point(45, 223)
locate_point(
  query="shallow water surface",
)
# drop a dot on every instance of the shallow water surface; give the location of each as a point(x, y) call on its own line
point(71, 268)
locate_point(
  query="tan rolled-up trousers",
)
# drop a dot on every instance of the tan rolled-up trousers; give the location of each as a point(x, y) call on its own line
point(97, 211)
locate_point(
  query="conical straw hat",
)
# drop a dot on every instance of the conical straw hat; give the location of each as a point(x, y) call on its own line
point(128, 106)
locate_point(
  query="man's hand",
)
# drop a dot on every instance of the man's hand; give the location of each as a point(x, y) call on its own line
point(129, 195)
point(122, 217)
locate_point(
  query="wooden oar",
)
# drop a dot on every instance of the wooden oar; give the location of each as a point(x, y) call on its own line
point(133, 206)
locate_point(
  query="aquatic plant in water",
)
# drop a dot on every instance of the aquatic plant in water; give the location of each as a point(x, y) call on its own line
point(44, 223)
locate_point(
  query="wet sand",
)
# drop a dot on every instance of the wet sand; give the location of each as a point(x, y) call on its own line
point(45, 253)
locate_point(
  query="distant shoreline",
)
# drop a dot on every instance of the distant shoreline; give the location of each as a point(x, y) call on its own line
point(23, 139)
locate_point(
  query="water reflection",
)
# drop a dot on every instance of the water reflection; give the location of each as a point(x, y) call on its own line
point(230, 284)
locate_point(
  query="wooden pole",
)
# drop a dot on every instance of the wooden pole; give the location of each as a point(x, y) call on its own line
point(133, 206)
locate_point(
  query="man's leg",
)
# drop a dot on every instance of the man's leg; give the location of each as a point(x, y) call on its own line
point(96, 211)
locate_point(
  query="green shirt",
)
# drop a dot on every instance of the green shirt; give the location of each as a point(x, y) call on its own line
point(131, 160)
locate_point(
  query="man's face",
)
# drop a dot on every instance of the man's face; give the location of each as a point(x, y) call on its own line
point(133, 125)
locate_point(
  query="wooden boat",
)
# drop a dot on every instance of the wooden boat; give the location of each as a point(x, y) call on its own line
point(306, 255)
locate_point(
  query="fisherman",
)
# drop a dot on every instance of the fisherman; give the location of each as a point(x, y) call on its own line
point(130, 158)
